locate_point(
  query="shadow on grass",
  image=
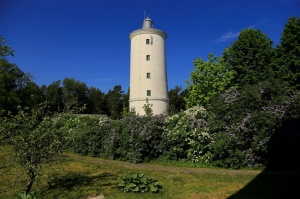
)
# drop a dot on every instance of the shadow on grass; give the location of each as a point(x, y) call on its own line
point(77, 185)
point(71, 180)
point(281, 177)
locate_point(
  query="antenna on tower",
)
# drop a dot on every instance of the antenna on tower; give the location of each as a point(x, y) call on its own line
point(144, 14)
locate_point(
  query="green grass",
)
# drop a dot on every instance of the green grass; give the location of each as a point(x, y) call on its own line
point(84, 177)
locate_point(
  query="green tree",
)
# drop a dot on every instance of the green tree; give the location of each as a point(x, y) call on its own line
point(288, 52)
point(5, 50)
point(12, 82)
point(96, 101)
point(126, 111)
point(207, 80)
point(176, 97)
point(16, 87)
point(75, 95)
point(32, 95)
point(115, 99)
point(36, 139)
point(250, 56)
point(53, 95)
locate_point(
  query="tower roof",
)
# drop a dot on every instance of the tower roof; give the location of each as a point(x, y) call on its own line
point(148, 29)
point(147, 23)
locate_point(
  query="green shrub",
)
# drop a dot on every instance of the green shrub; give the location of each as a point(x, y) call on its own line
point(244, 120)
point(133, 138)
point(138, 183)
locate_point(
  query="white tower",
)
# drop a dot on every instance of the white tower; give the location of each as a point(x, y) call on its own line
point(148, 73)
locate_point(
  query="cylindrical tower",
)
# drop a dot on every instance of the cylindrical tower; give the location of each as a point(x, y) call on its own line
point(148, 73)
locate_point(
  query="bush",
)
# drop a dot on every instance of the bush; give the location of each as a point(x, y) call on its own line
point(188, 135)
point(133, 138)
point(136, 138)
point(243, 121)
point(138, 183)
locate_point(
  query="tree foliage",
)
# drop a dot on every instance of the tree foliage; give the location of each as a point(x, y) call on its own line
point(12, 81)
point(5, 50)
point(16, 87)
point(96, 101)
point(288, 52)
point(176, 97)
point(207, 80)
point(115, 102)
point(250, 56)
point(74, 95)
point(53, 95)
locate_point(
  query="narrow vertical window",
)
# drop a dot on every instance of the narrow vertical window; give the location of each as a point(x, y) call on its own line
point(148, 75)
point(147, 41)
point(148, 57)
point(148, 92)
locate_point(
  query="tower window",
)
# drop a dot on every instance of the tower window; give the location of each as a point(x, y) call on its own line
point(148, 75)
point(147, 41)
point(148, 57)
point(148, 92)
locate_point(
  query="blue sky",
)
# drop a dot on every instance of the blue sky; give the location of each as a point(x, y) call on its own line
point(88, 39)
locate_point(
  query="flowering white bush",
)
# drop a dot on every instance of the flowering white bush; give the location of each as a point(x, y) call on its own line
point(189, 135)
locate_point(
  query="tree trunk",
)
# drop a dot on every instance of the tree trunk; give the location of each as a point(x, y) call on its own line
point(31, 180)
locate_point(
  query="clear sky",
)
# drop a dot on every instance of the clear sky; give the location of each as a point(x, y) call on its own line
point(88, 39)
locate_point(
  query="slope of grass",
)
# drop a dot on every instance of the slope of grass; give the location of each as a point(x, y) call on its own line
point(84, 177)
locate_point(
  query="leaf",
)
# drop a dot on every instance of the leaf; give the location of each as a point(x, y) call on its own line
point(153, 188)
point(134, 176)
point(132, 185)
point(144, 180)
point(136, 189)
point(121, 184)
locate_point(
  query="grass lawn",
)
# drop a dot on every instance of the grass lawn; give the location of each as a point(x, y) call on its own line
point(86, 177)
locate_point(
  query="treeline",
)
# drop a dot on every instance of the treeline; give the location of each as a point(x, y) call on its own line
point(69, 95)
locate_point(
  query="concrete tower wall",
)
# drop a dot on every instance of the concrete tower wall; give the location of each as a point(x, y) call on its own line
point(148, 75)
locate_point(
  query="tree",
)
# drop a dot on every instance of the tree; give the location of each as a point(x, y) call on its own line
point(176, 97)
point(96, 101)
point(53, 95)
point(250, 56)
point(12, 82)
point(126, 112)
point(288, 52)
point(115, 99)
point(74, 95)
point(5, 50)
point(36, 139)
point(207, 80)
point(31, 95)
